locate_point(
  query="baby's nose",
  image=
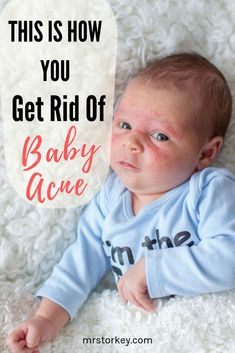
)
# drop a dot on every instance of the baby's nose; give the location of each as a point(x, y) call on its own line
point(133, 142)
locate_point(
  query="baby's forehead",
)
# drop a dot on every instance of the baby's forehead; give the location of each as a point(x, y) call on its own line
point(140, 99)
point(138, 88)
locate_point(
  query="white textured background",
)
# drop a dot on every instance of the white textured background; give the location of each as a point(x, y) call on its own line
point(32, 240)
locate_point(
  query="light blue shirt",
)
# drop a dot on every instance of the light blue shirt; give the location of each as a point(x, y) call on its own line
point(187, 237)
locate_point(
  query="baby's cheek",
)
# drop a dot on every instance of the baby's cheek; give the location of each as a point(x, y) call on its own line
point(113, 141)
point(158, 154)
point(116, 141)
point(115, 145)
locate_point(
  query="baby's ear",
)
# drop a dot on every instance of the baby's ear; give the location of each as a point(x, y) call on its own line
point(209, 152)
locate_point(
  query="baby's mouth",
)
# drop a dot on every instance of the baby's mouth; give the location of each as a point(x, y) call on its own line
point(127, 165)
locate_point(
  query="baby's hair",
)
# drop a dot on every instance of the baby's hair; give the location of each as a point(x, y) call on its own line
point(193, 74)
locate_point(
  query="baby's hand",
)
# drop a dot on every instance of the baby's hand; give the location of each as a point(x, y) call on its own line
point(132, 287)
point(27, 337)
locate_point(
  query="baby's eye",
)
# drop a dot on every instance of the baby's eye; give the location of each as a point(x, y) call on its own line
point(124, 125)
point(159, 136)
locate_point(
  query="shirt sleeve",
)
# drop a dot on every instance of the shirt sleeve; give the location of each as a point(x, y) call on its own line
point(84, 262)
point(208, 266)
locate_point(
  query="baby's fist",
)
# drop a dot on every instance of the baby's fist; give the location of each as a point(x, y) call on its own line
point(132, 287)
point(27, 337)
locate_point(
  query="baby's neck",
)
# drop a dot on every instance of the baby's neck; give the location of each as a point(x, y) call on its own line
point(140, 200)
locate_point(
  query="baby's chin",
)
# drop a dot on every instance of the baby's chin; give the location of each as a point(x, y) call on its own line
point(142, 186)
point(143, 183)
point(135, 184)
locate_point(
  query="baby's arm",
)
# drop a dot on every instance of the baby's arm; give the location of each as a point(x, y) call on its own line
point(78, 272)
point(208, 266)
point(132, 287)
point(42, 327)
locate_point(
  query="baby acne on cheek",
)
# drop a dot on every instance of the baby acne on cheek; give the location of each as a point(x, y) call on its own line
point(157, 154)
point(115, 141)
point(119, 140)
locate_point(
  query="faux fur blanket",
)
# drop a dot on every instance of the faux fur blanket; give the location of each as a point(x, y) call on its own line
point(32, 239)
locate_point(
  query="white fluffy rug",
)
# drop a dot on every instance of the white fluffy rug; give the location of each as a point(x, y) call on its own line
point(32, 240)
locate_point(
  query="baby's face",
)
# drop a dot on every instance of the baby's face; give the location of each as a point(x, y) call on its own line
point(155, 145)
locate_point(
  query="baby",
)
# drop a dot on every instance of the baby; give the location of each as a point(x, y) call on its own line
point(163, 220)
